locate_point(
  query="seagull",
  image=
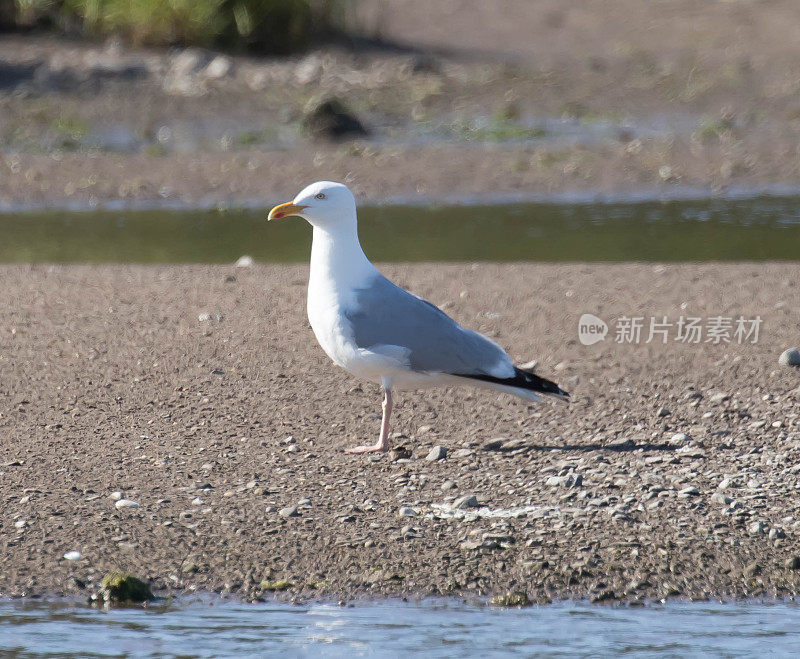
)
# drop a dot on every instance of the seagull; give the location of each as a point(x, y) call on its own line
point(380, 332)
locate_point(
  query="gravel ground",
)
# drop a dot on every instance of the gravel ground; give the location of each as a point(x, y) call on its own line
point(200, 394)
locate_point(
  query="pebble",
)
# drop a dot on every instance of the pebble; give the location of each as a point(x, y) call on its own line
point(73, 555)
point(289, 511)
point(436, 453)
point(219, 67)
point(244, 262)
point(792, 563)
point(755, 528)
point(720, 499)
point(570, 480)
point(775, 534)
point(448, 485)
point(20, 523)
point(116, 496)
point(406, 511)
point(463, 453)
point(662, 411)
point(790, 357)
point(725, 483)
point(691, 490)
point(126, 503)
point(466, 501)
point(679, 438)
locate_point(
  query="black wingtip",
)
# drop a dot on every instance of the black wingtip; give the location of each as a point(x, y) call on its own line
point(528, 380)
point(540, 385)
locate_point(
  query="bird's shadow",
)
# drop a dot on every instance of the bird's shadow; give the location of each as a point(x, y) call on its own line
point(626, 447)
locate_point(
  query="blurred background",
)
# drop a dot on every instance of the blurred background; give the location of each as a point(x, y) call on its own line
point(142, 104)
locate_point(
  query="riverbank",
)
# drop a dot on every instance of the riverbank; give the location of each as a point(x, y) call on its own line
point(199, 393)
point(547, 101)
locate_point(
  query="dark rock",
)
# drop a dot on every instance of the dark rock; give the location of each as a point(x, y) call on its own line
point(121, 587)
point(792, 563)
point(332, 120)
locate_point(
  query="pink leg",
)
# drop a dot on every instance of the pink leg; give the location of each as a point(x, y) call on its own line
point(383, 440)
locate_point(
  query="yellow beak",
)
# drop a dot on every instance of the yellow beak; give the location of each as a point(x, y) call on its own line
point(284, 210)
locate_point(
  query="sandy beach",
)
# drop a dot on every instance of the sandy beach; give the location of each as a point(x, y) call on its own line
point(200, 394)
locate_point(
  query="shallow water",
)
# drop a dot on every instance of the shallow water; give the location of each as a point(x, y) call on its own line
point(761, 228)
point(435, 628)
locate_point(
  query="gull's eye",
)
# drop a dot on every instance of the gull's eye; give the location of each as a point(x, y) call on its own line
point(319, 195)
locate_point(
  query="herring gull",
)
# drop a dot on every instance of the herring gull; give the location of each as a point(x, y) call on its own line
point(380, 332)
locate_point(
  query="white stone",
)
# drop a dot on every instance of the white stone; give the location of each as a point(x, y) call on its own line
point(219, 67)
point(126, 503)
point(73, 555)
point(245, 262)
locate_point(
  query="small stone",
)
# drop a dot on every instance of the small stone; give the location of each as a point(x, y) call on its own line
point(399, 453)
point(197, 501)
point(776, 534)
point(244, 262)
point(436, 453)
point(219, 67)
point(448, 485)
point(719, 397)
point(466, 501)
point(790, 357)
point(756, 528)
point(289, 511)
point(751, 570)
point(73, 555)
point(463, 453)
point(126, 503)
point(662, 411)
point(725, 483)
point(187, 62)
point(516, 599)
point(691, 490)
point(20, 523)
point(116, 496)
point(720, 499)
point(679, 438)
point(406, 511)
point(792, 563)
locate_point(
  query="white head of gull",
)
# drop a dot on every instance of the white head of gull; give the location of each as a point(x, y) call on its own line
point(380, 332)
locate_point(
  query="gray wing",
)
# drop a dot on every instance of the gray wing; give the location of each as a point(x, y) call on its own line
point(385, 314)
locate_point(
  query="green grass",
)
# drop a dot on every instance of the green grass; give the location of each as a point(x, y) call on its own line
point(274, 26)
point(497, 130)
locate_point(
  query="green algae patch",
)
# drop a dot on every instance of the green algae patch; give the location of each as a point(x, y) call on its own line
point(123, 588)
point(511, 600)
point(276, 586)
